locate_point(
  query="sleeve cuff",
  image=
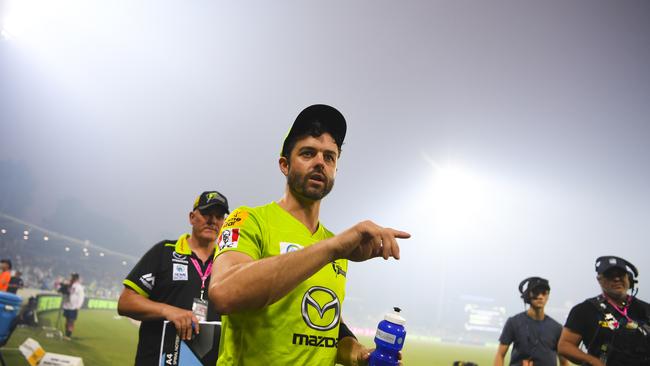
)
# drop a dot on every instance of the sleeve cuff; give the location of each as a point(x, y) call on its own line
point(130, 284)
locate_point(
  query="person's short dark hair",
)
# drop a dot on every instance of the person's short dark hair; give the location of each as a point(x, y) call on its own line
point(8, 261)
point(314, 121)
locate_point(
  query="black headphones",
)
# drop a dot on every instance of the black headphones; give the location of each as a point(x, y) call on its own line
point(631, 270)
point(531, 283)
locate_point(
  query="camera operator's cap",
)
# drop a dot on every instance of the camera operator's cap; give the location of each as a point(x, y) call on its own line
point(532, 283)
point(209, 199)
point(331, 119)
point(607, 262)
point(537, 283)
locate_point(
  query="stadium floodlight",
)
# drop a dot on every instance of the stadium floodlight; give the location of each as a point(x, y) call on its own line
point(86, 254)
point(85, 250)
point(456, 195)
point(46, 238)
point(124, 263)
point(4, 231)
point(25, 232)
point(101, 254)
point(25, 17)
point(67, 249)
point(25, 237)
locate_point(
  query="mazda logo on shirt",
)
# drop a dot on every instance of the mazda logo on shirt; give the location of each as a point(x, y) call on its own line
point(321, 308)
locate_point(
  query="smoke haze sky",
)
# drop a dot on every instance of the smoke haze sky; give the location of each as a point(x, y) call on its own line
point(510, 138)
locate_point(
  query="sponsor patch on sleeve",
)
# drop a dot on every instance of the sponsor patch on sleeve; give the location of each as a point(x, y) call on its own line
point(148, 280)
point(228, 238)
point(235, 219)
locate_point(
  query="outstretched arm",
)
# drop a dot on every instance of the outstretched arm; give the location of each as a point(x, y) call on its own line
point(239, 283)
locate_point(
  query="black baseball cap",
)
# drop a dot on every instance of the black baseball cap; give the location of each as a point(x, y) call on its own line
point(330, 118)
point(539, 283)
point(534, 283)
point(607, 262)
point(210, 198)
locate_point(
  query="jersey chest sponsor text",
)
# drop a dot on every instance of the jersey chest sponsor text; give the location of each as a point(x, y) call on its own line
point(314, 340)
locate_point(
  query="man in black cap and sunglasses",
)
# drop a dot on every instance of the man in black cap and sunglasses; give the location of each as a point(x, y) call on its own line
point(534, 334)
point(171, 280)
point(613, 326)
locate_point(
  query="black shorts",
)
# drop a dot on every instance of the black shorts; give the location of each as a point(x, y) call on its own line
point(70, 314)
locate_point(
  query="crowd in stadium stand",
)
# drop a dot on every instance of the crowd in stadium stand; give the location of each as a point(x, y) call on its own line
point(44, 265)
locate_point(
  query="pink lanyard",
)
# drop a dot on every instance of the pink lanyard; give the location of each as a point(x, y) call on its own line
point(203, 276)
point(622, 312)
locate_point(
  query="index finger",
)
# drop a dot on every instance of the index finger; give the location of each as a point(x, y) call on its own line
point(399, 234)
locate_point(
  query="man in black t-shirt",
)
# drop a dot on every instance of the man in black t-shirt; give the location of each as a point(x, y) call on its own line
point(614, 327)
point(533, 333)
point(170, 282)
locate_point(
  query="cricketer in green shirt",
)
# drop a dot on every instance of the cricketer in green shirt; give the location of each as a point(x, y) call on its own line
point(301, 328)
point(279, 278)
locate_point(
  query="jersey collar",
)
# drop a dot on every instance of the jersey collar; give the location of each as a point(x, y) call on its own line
point(182, 246)
point(319, 231)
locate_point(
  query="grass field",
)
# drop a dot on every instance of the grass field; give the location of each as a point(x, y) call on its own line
point(421, 353)
point(102, 339)
point(99, 339)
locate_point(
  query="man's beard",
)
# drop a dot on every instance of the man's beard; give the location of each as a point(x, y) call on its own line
point(299, 184)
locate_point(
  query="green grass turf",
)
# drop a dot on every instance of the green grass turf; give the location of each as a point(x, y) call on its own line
point(100, 339)
point(427, 353)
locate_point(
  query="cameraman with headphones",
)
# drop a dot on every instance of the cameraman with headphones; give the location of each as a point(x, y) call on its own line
point(613, 326)
point(534, 334)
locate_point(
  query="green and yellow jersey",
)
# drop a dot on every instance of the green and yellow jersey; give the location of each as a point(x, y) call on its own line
point(302, 327)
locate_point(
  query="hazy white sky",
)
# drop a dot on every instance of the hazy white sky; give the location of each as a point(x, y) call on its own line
point(511, 138)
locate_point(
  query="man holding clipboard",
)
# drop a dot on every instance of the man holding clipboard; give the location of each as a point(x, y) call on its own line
point(170, 282)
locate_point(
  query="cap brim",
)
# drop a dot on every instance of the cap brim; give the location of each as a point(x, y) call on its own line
point(212, 204)
point(605, 268)
point(545, 287)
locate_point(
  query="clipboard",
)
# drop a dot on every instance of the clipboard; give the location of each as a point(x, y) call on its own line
point(202, 349)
